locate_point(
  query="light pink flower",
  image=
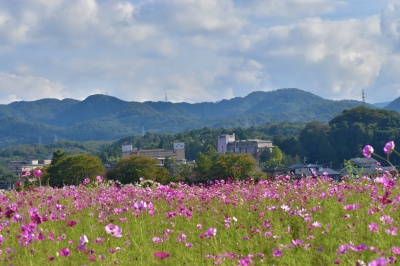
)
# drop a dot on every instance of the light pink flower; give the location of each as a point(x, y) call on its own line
point(373, 227)
point(113, 230)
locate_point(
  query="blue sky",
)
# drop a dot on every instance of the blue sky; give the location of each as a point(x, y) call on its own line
point(198, 50)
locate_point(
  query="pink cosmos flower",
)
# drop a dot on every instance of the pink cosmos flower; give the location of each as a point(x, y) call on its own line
point(386, 219)
point(157, 240)
point(65, 252)
point(396, 250)
point(211, 232)
point(113, 230)
point(368, 151)
point(373, 227)
point(161, 255)
point(277, 252)
point(392, 231)
point(71, 223)
point(378, 262)
point(389, 147)
point(86, 181)
point(99, 178)
point(37, 173)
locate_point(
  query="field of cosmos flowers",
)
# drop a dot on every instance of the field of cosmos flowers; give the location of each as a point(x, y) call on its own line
point(311, 221)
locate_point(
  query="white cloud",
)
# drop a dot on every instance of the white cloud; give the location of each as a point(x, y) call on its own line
point(28, 88)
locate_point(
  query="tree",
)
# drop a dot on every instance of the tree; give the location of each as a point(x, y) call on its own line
point(235, 166)
point(203, 165)
point(265, 155)
point(131, 169)
point(57, 156)
point(276, 158)
point(72, 170)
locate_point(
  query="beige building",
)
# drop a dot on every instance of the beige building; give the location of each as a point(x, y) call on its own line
point(228, 143)
point(177, 153)
point(17, 167)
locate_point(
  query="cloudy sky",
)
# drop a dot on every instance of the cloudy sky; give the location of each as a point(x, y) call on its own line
point(198, 50)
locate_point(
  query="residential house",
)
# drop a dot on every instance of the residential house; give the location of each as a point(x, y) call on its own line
point(365, 166)
point(303, 170)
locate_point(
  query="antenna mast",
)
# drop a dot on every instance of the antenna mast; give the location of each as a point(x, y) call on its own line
point(166, 98)
point(363, 97)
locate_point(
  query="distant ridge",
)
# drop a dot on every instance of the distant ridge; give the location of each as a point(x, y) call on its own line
point(103, 117)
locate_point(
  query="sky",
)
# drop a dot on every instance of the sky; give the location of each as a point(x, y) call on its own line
point(198, 50)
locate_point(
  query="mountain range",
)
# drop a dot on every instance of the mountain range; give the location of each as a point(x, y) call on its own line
point(103, 117)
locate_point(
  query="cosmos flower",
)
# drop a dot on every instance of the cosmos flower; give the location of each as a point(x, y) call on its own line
point(65, 252)
point(161, 255)
point(368, 151)
point(113, 230)
point(389, 147)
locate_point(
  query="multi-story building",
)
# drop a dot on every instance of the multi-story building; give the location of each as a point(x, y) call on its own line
point(17, 167)
point(177, 153)
point(228, 143)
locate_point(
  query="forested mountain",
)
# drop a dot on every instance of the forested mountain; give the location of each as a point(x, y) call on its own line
point(103, 117)
point(395, 105)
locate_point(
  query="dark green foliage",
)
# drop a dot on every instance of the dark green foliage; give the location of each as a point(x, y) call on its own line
point(73, 169)
point(234, 166)
point(130, 170)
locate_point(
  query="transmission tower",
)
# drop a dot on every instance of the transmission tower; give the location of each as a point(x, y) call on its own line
point(363, 96)
point(166, 98)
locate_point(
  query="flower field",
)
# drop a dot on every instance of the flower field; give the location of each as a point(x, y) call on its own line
point(312, 221)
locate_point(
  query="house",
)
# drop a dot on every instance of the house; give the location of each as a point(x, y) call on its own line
point(228, 143)
point(365, 166)
point(303, 170)
point(177, 153)
point(277, 170)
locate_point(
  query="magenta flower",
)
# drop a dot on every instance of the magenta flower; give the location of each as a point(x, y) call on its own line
point(161, 255)
point(389, 147)
point(211, 232)
point(65, 252)
point(368, 151)
point(37, 173)
point(71, 223)
point(277, 252)
point(113, 230)
point(86, 181)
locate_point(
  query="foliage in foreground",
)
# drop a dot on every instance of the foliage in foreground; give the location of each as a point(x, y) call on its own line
point(312, 221)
